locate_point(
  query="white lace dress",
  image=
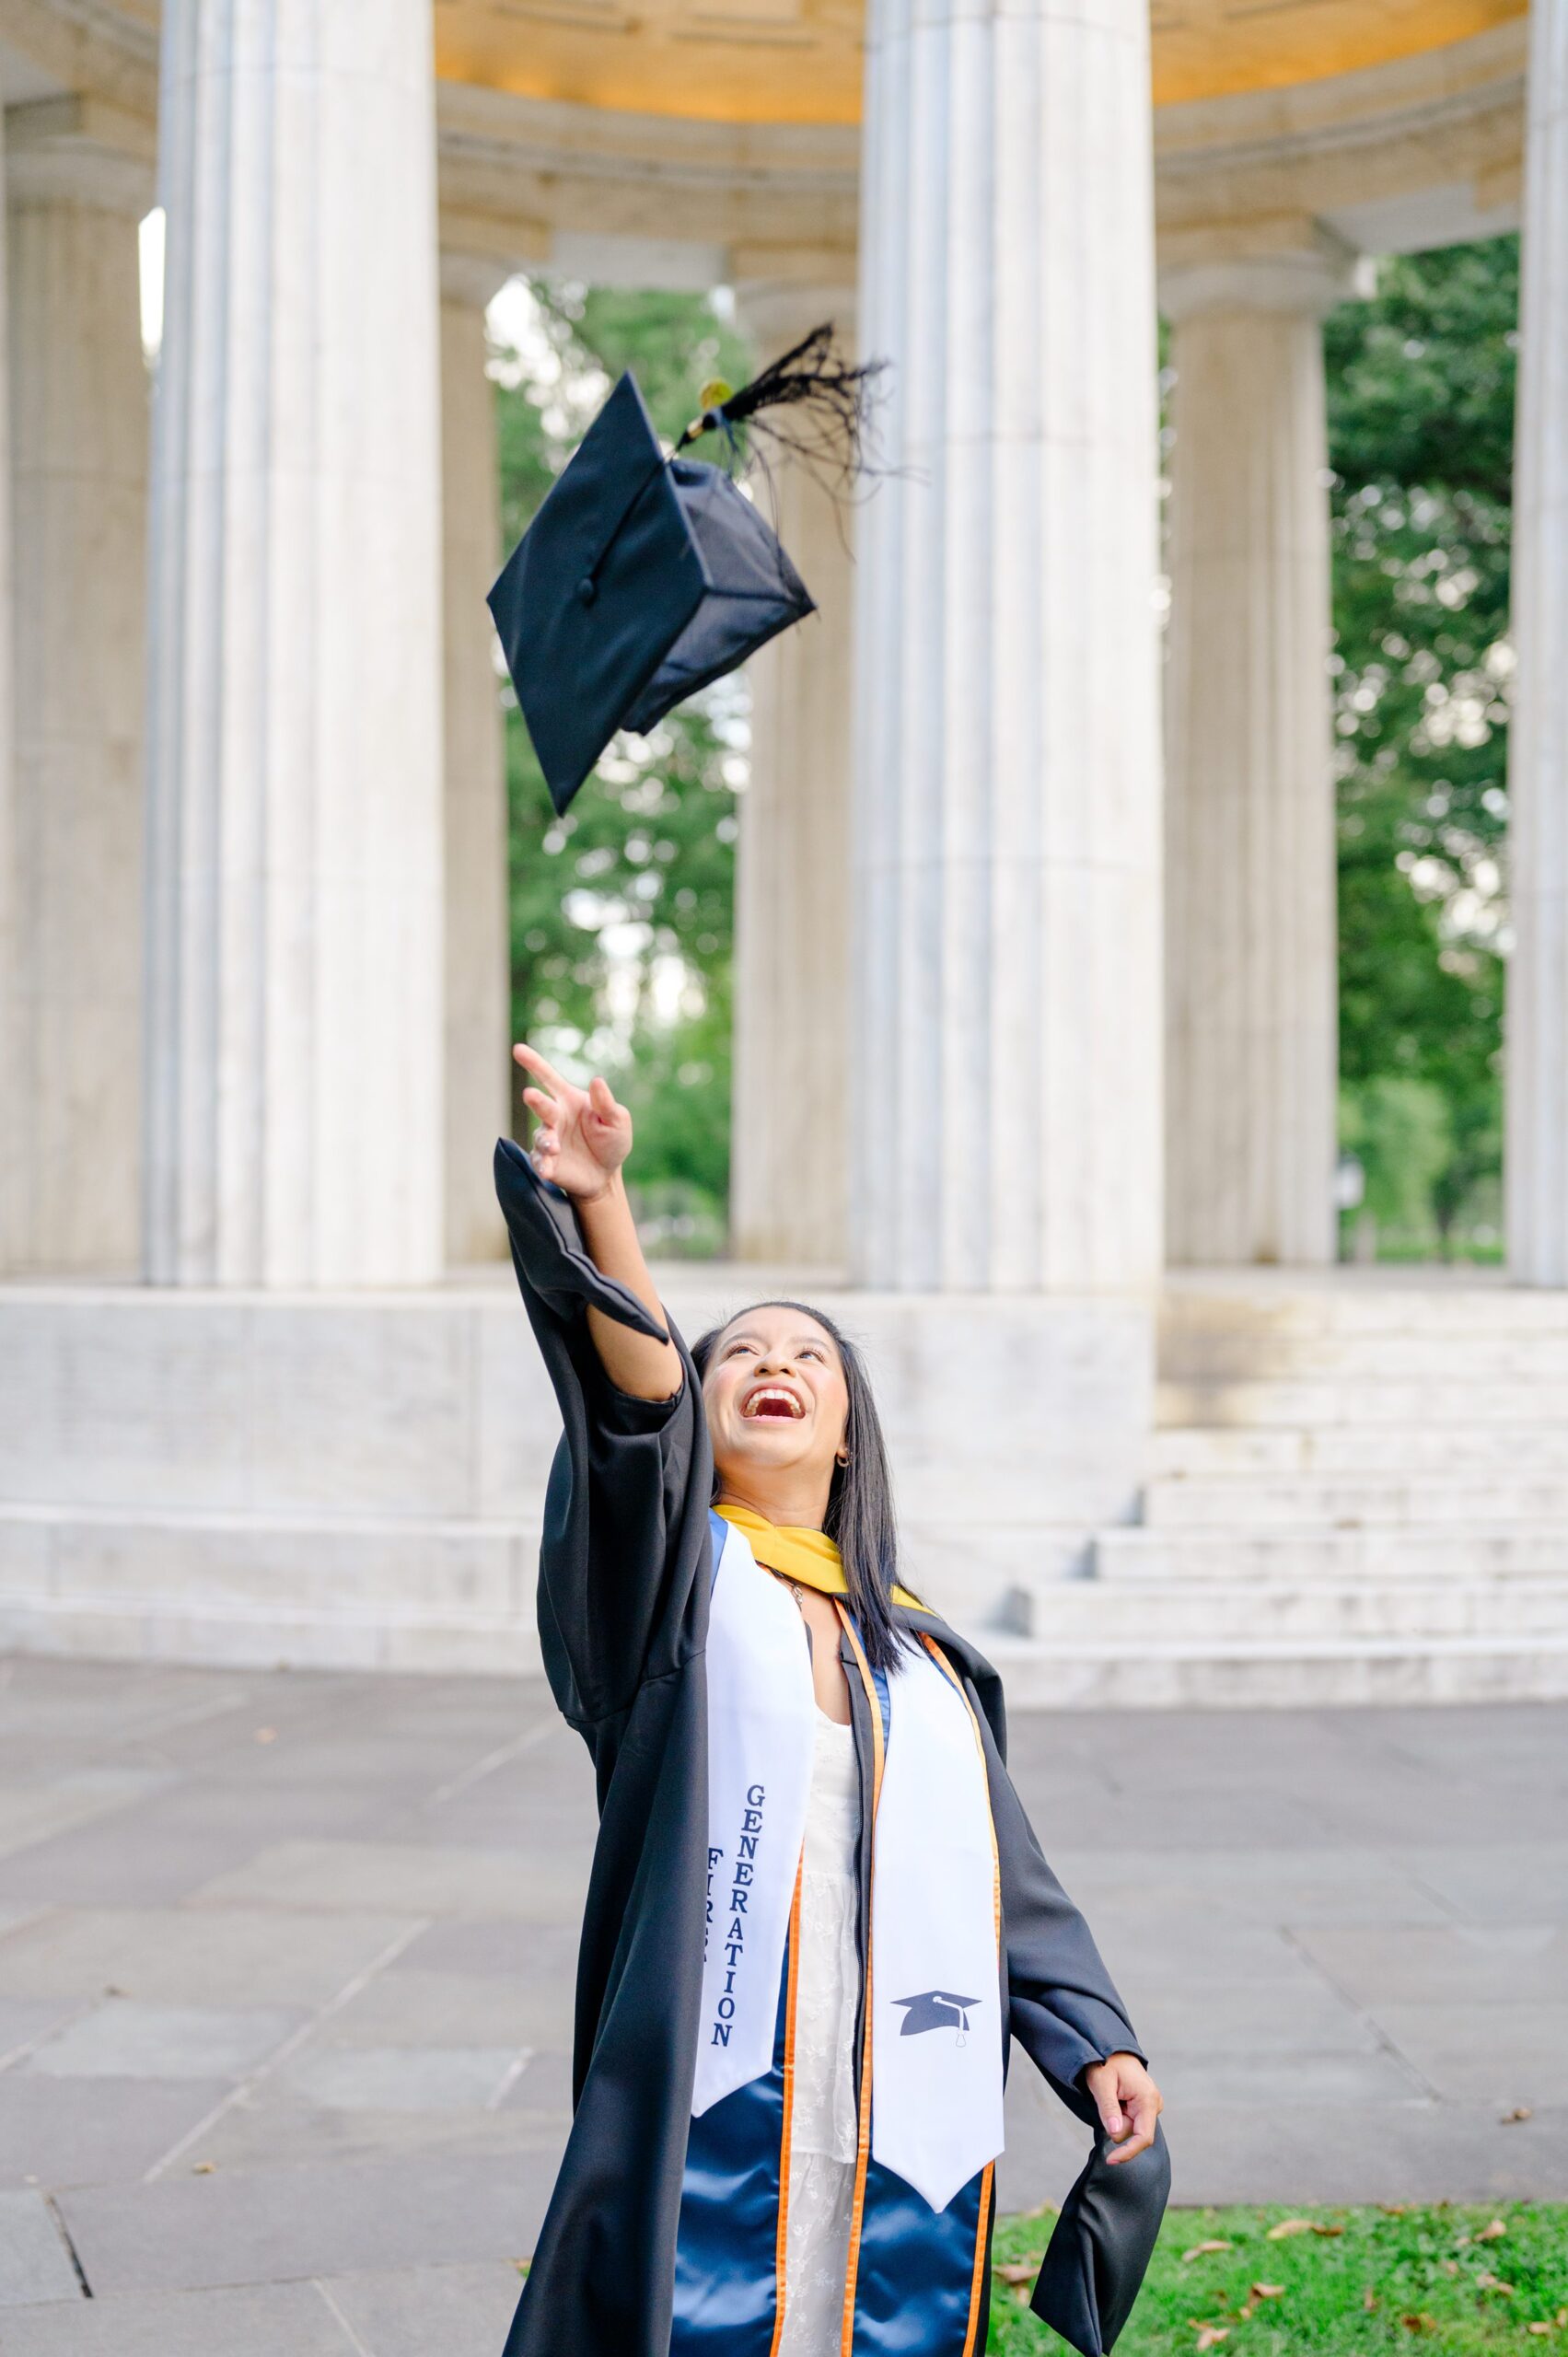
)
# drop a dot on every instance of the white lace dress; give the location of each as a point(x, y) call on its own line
point(822, 2146)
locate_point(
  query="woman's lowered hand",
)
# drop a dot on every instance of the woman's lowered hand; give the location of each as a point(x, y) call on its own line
point(1128, 2102)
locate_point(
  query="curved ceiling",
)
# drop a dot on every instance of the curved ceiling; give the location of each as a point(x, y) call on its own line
point(799, 60)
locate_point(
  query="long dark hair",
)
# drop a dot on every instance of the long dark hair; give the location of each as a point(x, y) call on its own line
point(859, 1519)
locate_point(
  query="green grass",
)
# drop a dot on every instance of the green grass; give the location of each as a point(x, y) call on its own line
point(1368, 2281)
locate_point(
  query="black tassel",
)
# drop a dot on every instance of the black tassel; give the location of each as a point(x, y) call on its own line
point(827, 405)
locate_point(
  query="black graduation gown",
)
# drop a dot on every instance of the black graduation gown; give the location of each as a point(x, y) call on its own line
point(624, 1580)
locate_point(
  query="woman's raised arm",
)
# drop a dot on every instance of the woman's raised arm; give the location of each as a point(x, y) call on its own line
point(582, 1141)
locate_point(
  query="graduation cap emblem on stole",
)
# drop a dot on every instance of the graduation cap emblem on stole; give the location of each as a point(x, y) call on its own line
point(936, 2009)
point(643, 578)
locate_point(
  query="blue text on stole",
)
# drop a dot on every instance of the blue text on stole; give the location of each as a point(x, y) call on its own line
point(740, 1876)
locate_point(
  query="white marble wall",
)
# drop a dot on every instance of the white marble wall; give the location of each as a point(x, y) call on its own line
point(79, 439)
point(792, 914)
point(478, 954)
point(1006, 1054)
point(1252, 946)
point(1537, 1066)
point(294, 1089)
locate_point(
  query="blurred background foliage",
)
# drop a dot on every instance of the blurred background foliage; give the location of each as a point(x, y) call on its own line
point(1420, 427)
point(622, 911)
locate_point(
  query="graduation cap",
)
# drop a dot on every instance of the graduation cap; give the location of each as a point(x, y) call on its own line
point(644, 577)
point(935, 2009)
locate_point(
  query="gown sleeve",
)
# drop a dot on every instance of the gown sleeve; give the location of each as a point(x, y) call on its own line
point(1067, 2015)
point(625, 1515)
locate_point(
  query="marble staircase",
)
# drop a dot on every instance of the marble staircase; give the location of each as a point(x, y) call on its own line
point(1357, 1490)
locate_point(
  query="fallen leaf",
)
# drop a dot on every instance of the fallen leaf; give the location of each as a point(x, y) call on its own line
point(1320, 2229)
point(1203, 2250)
point(1395, 2209)
point(1017, 2271)
point(203, 2169)
point(1448, 2265)
point(1369, 2299)
point(1288, 2226)
point(1211, 2333)
point(1520, 2111)
point(1541, 2328)
point(1268, 2291)
point(1243, 2315)
point(1495, 2283)
point(1419, 2323)
point(1560, 2319)
point(1492, 2233)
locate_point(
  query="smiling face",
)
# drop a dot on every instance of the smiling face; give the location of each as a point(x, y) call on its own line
point(777, 1408)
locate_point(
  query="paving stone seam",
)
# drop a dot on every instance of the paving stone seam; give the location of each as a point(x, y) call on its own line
point(1385, 2043)
point(355, 2343)
point(242, 2088)
point(63, 2231)
point(492, 1760)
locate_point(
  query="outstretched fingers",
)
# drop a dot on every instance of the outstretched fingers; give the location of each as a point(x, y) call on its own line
point(541, 1068)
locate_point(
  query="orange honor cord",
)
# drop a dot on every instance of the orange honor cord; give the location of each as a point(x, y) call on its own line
point(943, 1663)
point(863, 2140)
point(978, 2280)
point(782, 2240)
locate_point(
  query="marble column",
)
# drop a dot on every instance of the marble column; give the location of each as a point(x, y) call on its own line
point(79, 461)
point(1251, 947)
point(478, 952)
point(792, 916)
point(1537, 1062)
point(1005, 1075)
point(11, 1138)
point(294, 1088)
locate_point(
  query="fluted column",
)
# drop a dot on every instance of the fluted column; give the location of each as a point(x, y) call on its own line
point(1251, 948)
point(1537, 1062)
point(1007, 1074)
point(11, 1139)
point(79, 455)
point(792, 917)
point(478, 953)
point(294, 1096)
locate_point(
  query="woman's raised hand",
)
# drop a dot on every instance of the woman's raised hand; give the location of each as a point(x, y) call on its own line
point(583, 1136)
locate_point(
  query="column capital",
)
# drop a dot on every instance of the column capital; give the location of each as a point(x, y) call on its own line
point(1306, 280)
point(76, 150)
point(778, 311)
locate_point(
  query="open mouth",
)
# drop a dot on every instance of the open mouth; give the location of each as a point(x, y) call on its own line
point(772, 1400)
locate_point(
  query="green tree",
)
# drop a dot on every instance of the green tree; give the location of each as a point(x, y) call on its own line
point(622, 910)
point(1421, 413)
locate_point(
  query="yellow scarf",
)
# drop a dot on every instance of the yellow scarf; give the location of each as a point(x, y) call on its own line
point(808, 1556)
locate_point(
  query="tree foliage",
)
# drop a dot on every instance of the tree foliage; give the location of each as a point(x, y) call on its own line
point(1421, 417)
point(622, 910)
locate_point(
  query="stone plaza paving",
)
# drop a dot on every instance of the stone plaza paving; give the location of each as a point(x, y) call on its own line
point(285, 1973)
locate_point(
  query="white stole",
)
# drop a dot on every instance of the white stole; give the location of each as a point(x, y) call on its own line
point(935, 2015)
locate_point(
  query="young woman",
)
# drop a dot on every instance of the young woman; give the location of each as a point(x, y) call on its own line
point(816, 1912)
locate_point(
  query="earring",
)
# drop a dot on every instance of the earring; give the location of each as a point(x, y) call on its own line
point(841, 1456)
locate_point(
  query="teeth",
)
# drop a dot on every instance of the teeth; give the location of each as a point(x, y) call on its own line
point(786, 1399)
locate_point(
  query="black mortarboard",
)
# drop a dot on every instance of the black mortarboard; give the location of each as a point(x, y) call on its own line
point(641, 579)
point(935, 2009)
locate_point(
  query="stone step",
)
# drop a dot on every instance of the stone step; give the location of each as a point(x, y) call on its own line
point(1219, 1673)
point(1201, 1356)
point(1201, 1452)
point(1157, 1609)
point(349, 1593)
point(1446, 1398)
point(1350, 1302)
point(1207, 1555)
point(1343, 1501)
